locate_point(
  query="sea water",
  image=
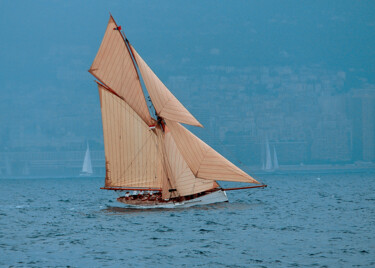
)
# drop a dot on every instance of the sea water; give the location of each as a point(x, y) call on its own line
point(304, 220)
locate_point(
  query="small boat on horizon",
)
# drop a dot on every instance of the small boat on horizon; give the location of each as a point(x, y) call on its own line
point(87, 165)
point(153, 161)
point(269, 164)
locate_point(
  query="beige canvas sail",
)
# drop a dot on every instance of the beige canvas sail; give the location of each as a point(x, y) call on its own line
point(204, 161)
point(141, 152)
point(165, 103)
point(131, 148)
point(185, 181)
point(168, 182)
point(114, 67)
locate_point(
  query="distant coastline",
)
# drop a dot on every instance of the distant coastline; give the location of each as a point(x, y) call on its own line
point(318, 169)
point(364, 168)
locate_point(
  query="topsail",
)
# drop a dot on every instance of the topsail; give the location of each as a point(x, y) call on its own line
point(114, 68)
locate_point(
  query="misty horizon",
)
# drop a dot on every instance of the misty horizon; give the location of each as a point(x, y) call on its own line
point(300, 76)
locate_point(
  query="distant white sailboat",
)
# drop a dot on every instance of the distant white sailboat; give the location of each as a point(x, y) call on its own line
point(87, 167)
point(268, 164)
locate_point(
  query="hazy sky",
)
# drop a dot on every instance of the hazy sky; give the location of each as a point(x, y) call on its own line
point(46, 47)
point(54, 41)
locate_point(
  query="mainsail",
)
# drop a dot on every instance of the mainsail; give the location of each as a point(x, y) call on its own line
point(131, 149)
point(142, 152)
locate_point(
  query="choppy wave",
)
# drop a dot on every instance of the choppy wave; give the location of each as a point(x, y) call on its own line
point(296, 221)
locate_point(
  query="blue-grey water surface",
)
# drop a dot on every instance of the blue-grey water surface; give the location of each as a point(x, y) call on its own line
point(304, 220)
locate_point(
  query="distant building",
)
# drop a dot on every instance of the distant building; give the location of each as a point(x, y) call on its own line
point(362, 114)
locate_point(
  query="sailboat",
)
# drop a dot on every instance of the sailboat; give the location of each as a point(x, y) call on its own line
point(153, 161)
point(86, 166)
point(270, 165)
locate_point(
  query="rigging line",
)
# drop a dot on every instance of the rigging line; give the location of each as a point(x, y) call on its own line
point(204, 157)
point(225, 149)
point(115, 130)
point(166, 162)
point(157, 154)
point(160, 153)
point(125, 42)
point(127, 106)
point(115, 109)
point(140, 179)
point(122, 34)
point(146, 169)
point(120, 128)
point(196, 178)
point(242, 165)
point(136, 155)
point(107, 146)
point(138, 70)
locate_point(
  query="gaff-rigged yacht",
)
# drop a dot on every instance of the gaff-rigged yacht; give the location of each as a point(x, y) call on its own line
point(158, 159)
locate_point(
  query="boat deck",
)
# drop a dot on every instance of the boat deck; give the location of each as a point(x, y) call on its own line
point(156, 199)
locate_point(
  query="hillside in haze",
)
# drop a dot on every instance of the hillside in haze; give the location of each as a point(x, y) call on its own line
point(299, 75)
